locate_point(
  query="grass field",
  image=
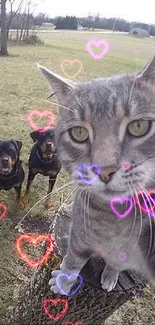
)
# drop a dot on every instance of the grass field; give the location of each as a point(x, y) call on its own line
point(23, 89)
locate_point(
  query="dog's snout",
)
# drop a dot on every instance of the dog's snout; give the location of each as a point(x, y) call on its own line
point(48, 144)
point(5, 159)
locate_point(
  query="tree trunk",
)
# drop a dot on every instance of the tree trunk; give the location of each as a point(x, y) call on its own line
point(91, 305)
point(3, 29)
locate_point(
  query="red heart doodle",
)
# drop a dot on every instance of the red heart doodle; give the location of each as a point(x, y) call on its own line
point(3, 206)
point(148, 201)
point(77, 323)
point(55, 302)
point(34, 239)
point(41, 114)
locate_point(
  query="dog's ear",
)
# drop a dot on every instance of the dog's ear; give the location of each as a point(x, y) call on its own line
point(17, 144)
point(34, 135)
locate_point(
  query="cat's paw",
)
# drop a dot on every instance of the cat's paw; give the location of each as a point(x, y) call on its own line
point(62, 282)
point(109, 279)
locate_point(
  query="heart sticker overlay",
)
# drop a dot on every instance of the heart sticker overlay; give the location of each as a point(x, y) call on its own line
point(88, 169)
point(41, 114)
point(122, 257)
point(142, 84)
point(4, 209)
point(126, 165)
point(59, 261)
point(34, 240)
point(121, 201)
point(71, 63)
point(133, 76)
point(99, 251)
point(98, 44)
point(89, 122)
point(55, 302)
point(68, 278)
point(148, 202)
point(77, 323)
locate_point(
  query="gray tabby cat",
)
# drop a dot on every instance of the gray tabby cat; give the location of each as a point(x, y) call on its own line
point(105, 122)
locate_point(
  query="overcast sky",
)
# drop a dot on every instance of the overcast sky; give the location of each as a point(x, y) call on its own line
point(131, 10)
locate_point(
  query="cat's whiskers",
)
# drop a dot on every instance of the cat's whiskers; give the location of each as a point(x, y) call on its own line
point(135, 209)
point(70, 194)
point(43, 198)
point(89, 228)
point(131, 91)
point(54, 103)
point(85, 211)
point(150, 223)
point(150, 178)
point(141, 223)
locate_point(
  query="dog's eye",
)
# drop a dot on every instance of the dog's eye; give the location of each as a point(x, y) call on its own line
point(9, 151)
point(79, 134)
point(139, 128)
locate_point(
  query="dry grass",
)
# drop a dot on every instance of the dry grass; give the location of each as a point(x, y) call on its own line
point(22, 89)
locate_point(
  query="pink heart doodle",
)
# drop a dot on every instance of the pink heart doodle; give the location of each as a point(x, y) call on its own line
point(122, 256)
point(126, 165)
point(97, 43)
point(121, 201)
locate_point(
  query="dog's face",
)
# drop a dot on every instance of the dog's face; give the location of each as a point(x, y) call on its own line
point(46, 141)
point(9, 154)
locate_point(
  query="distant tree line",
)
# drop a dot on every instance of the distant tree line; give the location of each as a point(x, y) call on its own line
point(19, 20)
point(92, 22)
point(115, 24)
point(69, 22)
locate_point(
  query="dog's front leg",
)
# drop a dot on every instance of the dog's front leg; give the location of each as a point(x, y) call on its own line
point(19, 203)
point(48, 202)
point(30, 179)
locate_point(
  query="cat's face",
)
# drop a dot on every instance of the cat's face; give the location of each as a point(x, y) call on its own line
point(105, 123)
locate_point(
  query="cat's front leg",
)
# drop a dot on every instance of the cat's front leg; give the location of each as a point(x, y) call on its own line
point(109, 278)
point(62, 280)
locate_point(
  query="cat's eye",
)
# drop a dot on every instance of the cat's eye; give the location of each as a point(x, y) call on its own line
point(139, 128)
point(79, 133)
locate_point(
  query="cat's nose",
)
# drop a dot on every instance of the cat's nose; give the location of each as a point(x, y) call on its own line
point(106, 173)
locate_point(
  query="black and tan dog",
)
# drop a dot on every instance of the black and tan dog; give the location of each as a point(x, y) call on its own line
point(11, 170)
point(43, 160)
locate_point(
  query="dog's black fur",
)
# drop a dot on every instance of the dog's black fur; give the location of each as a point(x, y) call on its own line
point(11, 170)
point(43, 160)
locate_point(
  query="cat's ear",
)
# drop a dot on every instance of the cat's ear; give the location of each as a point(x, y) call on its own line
point(62, 87)
point(148, 72)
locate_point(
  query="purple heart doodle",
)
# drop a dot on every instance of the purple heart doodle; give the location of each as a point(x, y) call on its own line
point(68, 277)
point(121, 201)
point(88, 169)
point(122, 256)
